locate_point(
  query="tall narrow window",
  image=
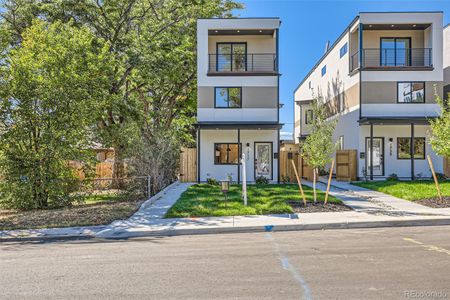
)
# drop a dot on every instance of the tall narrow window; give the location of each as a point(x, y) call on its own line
point(404, 148)
point(309, 115)
point(411, 92)
point(226, 154)
point(340, 143)
point(231, 57)
point(228, 97)
point(343, 50)
point(324, 70)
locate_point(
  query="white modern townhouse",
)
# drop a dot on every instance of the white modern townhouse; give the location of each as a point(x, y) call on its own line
point(238, 98)
point(379, 80)
point(446, 60)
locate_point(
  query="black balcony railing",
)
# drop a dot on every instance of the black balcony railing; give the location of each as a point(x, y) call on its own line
point(387, 58)
point(243, 63)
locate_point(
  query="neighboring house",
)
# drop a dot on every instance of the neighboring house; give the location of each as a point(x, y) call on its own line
point(446, 61)
point(238, 98)
point(378, 79)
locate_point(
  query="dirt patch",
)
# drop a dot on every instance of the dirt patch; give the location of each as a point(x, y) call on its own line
point(298, 207)
point(435, 202)
point(82, 215)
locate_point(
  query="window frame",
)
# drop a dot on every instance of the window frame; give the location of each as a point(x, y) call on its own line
point(228, 97)
point(409, 138)
point(307, 120)
point(231, 55)
point(228, 145)
point(395, 50)
point(412, 82)
point(341, 142)
point(344, 49)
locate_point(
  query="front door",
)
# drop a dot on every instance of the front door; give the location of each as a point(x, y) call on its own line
point(378, 156)
point(263, 160)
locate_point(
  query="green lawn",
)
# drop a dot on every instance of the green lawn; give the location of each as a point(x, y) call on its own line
point(203, 200)
point(408, 190)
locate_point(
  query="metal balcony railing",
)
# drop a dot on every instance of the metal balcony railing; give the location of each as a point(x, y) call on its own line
point(243, 63)
point(390, 57)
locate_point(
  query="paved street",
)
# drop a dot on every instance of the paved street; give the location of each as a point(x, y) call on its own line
point(334, 264)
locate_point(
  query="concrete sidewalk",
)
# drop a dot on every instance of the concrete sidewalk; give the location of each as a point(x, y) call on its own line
point(370, 210)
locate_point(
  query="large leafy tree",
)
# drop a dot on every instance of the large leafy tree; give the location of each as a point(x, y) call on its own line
point(318, 148)
point(148, 84)
point(50, 84)
point(152, 44)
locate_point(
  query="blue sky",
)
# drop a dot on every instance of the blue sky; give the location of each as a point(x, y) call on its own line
point(307, 25)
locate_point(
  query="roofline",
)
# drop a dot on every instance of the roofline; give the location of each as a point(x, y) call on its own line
point(403, 12)
point(238, 18)
point(347, 29)
point(446, 25)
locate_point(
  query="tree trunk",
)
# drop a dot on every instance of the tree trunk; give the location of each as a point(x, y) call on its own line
point(118, 173)
point(314, 185)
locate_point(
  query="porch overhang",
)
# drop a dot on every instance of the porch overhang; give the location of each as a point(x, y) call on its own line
point(241, 125)
point(395, 120)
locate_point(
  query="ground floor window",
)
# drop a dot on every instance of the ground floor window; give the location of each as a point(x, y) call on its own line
point(226, 154)
point(404, 148)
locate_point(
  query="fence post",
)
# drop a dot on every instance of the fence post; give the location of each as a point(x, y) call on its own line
point(148, 186)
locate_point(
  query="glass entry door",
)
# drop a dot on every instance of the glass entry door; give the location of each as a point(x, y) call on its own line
point(395, 52)
point(263, 160)
point(378, 156)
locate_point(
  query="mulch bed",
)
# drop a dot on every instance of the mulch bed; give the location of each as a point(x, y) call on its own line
point(435, 202)
point(80, 215)
point(318, 207)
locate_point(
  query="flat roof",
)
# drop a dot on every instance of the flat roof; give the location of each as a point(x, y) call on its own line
point(381, 120)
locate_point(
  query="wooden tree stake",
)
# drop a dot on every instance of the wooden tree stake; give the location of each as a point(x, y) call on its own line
point(435, 178)
point(299, 183)
point(329, 182)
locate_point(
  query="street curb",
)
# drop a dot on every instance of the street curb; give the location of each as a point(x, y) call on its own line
point(250, 229)
point(279, 228)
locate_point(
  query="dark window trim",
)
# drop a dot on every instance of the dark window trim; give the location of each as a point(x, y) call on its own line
point(345, 46)
point(395, 51)
point(231, 57)
point(227, 87)
point(424, 92)
point(424, 148)
point(307, 120)
point(271, 158)
point(228, 145)
point(382, 152)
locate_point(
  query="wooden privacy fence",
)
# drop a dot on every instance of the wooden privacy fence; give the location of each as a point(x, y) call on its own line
point(346, 165)
point(188, 165)
point(287, 173)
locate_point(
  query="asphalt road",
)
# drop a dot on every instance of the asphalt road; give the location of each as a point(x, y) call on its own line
point(393, 263)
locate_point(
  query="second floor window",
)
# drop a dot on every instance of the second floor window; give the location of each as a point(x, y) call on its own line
point(231, 57)
point(411, 92)
point(309, 115)
point(343, 50)
point(228, 97)
point(324, 70)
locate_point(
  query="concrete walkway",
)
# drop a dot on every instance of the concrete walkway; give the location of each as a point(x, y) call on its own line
point(371, 209)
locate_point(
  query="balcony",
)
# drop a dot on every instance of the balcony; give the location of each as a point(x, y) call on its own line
point(254, 64)
point(393, 59)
